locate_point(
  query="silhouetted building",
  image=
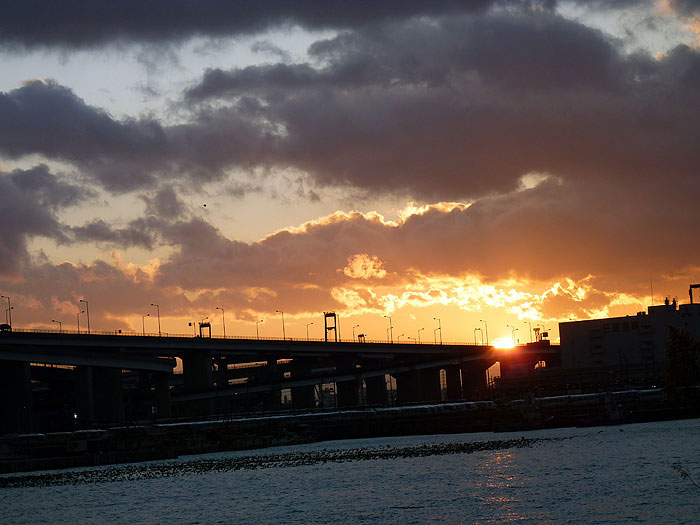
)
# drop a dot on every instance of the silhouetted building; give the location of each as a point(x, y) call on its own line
point(631, 347)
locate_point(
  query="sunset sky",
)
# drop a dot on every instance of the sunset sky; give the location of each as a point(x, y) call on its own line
point(507, 161)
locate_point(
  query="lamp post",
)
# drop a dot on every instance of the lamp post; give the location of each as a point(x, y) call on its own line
point(390, 330)
point(77, 319)
point(87, 312)
point(307, 329)
point(409, 337)
point(223, 319)
point(486, 327)
point(157, 308)
point(419, 331)
point(513, 330)
point(482, 335)
point(143, 323)
point(353, 332)
point(8, 312)
point(60, 325)
point(398, 339)
point(284, 334)
point(257, 333)
point(529, 323)
point(439, 328)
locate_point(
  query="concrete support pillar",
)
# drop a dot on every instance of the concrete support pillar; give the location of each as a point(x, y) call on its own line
point(454, 383)
point(430, 384)
point(473, 380)
point(408, 387)
point(221, 372)
point(272, 399)
point(107, 391)
point(197, 376)
point(348, 393)
point(162, 395)
point(15, 397)
point(84, 396)
point(302, 396)
point(376, 390)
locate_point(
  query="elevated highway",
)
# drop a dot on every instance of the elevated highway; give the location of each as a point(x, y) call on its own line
point(118, 377)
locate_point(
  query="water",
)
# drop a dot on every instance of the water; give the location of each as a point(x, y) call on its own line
point(600, 475)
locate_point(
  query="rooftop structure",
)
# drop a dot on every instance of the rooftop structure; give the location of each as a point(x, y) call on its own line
point(632, 346)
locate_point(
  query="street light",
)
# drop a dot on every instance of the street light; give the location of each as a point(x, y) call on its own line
point(8, 312)
point(409, 337)
point(257, 334)
point(513, 330)
point(284, 335)
point(482, 335)
point(143, 323)
point(529, 323)
point(87, 312)
point(486, 326)
point(398, 340)
point(353, 332)
point(60, 325)
point(223, 319)
point(77, 318)
point(439, 328)
point(157, 308)
point(390, 330)
point(419, 331)
point(307, 329)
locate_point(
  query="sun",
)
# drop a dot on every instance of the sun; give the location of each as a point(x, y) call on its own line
point(503, 342)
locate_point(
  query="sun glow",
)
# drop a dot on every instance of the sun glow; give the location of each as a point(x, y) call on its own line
point(503, 342)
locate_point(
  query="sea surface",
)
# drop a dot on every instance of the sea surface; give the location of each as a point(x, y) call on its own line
point(642, 473)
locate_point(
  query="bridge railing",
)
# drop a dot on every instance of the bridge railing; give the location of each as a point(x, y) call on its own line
point(129, 333)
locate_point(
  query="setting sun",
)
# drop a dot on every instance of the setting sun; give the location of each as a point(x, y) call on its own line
point(503, 342)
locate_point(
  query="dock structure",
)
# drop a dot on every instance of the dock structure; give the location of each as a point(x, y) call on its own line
point(63, 381)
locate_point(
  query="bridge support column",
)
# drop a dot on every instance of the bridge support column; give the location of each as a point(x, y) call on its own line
point(302, 396)
point(376, 390)
point(99, 398)
point(473, 380)
point(348, 392)
point(162, 400)
point(272, 399)
point(430, 384)
point(84, 396)
point(454, 383)
point(107, 388)
point(221, 372)
point(15, 397)
point(197, 372)
point(408, 386)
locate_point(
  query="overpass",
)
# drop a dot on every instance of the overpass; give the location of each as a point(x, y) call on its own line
point(103, 378)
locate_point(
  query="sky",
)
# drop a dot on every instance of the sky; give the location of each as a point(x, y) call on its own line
point(488, 165)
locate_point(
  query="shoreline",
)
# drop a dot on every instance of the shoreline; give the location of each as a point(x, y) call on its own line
point(162, 441)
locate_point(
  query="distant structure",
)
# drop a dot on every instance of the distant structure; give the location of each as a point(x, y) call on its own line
point(631, 347)
point(330, 320)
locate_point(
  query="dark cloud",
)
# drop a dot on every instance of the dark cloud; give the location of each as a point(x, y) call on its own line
point(686, 7)
point(164, 204)
point(465, 106)
point(29, 201)
point(140, 232)
point(82, 23)
point(48, 119)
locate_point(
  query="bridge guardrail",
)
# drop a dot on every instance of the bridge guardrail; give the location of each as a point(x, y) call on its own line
point(125, 333)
